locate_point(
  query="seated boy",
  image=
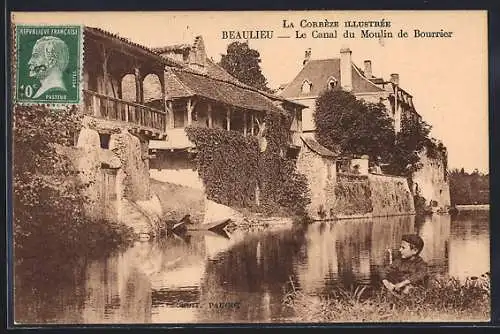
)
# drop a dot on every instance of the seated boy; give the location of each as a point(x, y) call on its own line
point(407, 270)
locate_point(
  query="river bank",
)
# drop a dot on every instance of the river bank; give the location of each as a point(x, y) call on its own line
point(473, 207)
point(447, 299)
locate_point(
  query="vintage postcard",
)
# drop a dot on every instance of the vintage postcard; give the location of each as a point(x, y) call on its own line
point(249, 167)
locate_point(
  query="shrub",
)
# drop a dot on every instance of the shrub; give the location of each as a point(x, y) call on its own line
point(47, 198)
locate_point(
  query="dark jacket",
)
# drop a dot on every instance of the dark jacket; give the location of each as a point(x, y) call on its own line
point(413, 269)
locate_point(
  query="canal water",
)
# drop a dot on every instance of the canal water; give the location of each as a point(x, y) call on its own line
point(204, 277)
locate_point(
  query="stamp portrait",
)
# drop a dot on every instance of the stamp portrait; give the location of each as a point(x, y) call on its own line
point(48, 64)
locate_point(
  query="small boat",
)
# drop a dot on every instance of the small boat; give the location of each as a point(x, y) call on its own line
point(217, 226)
point(185, 224)
point(181, 226)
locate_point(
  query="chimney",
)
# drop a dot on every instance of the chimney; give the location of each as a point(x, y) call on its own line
point(198, 55)
point(395, 78)
point(307, 57)
point(368, 69)
point(345, 69)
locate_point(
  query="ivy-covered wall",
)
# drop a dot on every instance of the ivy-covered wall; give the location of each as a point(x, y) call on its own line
point(377, 195)
point(233, 166)
point(352, 196)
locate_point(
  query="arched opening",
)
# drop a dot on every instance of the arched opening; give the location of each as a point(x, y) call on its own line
point(152, 88)
point(128, 88)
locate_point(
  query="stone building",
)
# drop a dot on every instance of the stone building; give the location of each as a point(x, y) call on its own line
point(200, 93)
point(318, 164)
point(318, 75)
point(112, 147)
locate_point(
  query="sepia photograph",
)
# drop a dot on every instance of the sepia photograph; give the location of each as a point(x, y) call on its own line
point(232, 167)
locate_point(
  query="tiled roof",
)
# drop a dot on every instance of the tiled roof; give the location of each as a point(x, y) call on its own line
point(360, 84)
point(138, 47)
point(214, 82)
point(183, 83)
point(318, 72)
point(170, 48)
point(317, 147)
point(217, 72)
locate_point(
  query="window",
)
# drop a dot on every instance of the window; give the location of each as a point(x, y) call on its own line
point(332, 83)
point(104, 138)
point(306, 86)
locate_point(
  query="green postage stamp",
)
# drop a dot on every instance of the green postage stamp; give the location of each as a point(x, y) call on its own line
point(48, 64)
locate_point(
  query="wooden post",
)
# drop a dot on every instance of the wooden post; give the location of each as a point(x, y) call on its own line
point(171, 114)
point(228, 119)
point(137, 74)
point(96, 106)
point(209, 112)
point(245, 123)
point(119, 87)
point(167, 114)
point(252, 124)
point(105, 70)
point(189, 110)
point(299, 119)
point(138, 96)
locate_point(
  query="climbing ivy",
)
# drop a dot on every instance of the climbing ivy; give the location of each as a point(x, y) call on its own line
point(232, 167)
point(227, 163)
point(282, 186)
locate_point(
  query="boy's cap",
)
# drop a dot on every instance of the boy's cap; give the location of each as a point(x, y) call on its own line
point(414, 240)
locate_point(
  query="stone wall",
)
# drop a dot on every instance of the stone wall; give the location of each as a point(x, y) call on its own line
point(89, 158)
point(176, 168)
point(431, 181)
point(321, 177)
point(116, 171)
point(307, 113)
point(133, 175)
point(390, 195)
point(352, 195)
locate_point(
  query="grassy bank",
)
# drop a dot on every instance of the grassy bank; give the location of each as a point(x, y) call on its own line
point(446, 299)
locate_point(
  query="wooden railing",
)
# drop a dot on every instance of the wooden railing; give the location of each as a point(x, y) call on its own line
point(113, 109)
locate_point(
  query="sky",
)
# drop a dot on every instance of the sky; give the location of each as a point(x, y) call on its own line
point(448, 77)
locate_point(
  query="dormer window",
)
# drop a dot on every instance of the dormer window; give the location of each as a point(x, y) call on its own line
point(306, 86)
point(332, 83)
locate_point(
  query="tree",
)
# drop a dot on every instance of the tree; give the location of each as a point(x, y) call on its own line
point(353, 126)
point(243, 63)
point(468, 188)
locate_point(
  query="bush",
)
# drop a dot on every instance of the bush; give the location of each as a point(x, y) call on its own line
point(47, 194)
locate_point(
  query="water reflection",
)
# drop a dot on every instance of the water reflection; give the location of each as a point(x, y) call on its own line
point(204, 277)
point(470, 244)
